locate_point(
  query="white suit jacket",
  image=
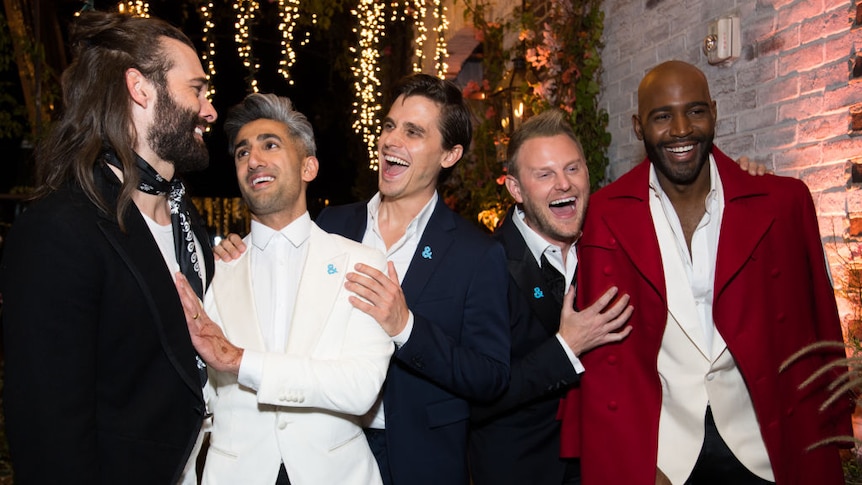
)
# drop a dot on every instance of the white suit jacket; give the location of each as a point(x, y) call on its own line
point(306, 410)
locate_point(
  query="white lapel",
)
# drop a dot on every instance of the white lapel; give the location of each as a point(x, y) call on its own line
point(322, 280)
point(234, 300)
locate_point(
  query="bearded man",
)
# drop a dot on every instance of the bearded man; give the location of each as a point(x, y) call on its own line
point(103, 385)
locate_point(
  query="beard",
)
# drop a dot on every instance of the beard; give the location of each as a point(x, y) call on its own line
point(679, 174)
point(172, 135)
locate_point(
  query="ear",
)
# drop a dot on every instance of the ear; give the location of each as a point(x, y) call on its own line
point(310, 166)
point(452, 156)
point(714, 109)
point(140, 88)
point(636, 124)
point(514, 188)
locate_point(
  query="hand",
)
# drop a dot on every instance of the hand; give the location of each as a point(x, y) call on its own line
point(590, 328)
point(230, 248)
point(752, 167)
point(383, 298)
point(207, 337)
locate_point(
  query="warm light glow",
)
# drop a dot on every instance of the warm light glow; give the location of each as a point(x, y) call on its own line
point(288, 10)
point(366, 107)
point(208, 55)
point(137, 8)
point(245, 14)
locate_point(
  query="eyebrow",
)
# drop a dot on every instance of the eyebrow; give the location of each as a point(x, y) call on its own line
point(263, 136)
point(670, 108)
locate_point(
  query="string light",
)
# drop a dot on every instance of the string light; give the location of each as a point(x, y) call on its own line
point(209, 55)
point(288, 11)
point(245, 14)
point(138, 8)
point(366, 106)
point(441, 51)
point(419, 13)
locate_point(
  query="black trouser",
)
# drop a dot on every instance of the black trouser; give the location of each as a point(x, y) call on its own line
point(717, 465)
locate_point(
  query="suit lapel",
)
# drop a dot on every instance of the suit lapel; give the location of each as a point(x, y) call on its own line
point(234, 299)
point(432, 248)
point(320, 284)
point(525, 272)
point(144, 260)
point(629, 218)
point(744, 222)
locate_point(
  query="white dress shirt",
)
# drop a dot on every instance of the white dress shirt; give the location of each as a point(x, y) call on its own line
point(700, 263)
point(538, 246)
point(276, 259)
point(401, 254)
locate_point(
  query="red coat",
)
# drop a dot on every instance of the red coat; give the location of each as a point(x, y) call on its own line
point(772, 297)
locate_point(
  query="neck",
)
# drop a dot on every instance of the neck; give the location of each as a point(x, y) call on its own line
point(164, 168)
point(281, 220)
point(687, 194)
point(153, 206)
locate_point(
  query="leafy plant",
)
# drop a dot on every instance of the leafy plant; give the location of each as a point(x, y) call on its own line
point(560, 41)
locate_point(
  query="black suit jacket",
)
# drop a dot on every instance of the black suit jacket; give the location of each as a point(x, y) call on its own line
point(101, 383)
point(458, 350)
point(516, 439)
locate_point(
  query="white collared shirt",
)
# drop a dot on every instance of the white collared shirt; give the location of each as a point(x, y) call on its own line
point(276, 262)
point(539, 246)
point(401, 254)
point(700, 264)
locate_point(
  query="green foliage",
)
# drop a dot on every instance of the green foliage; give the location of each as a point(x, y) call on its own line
point(13, 113)
point(561, 42)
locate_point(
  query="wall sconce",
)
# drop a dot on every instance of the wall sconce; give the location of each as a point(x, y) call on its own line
point(513, 87)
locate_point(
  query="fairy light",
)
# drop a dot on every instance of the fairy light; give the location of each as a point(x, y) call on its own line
point(366, 106)
point(245, 13)
point(288, 10)
point(441, 51)
point(418, 11)
point(209, 54)
point(138, 8)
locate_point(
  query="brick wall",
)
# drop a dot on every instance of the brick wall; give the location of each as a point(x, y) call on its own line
point(793, 100)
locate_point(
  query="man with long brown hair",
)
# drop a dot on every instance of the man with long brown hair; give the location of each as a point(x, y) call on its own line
point(102, 382)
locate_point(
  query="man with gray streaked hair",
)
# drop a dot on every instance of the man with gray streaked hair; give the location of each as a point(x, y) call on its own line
point(293, 363)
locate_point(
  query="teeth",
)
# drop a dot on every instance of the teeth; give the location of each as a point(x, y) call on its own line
point(199, 131)
point(561, 202)
point(684, 149)
point(259, 180)
point(396, 161)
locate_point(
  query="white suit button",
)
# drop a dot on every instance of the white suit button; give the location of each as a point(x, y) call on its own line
point(282, 424)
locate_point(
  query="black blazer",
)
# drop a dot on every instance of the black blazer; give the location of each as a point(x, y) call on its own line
point(458, 350)
point(101, 383)
point(516, 439)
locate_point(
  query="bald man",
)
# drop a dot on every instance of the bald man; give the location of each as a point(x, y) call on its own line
point(727, 277)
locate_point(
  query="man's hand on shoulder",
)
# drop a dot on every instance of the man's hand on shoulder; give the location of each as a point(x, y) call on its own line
point(597, 324)
point(230, 248)
point(208, 339)
point(752, 167)
point(381, 296)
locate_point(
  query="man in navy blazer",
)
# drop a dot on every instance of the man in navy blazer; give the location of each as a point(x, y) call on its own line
point(516, 438)
point(448, 317)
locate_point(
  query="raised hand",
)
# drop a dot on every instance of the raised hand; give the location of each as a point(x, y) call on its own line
point(597, 324)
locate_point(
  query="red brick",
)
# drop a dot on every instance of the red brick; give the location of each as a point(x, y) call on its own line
point(801, 108)
point(824, 25)
point(842, 96)
point(772, 5)
point(778, 90)
point(798, 11)
point(801, 59)
point(821, 178)
point(778, 137)
point(836, 48)
point(830, 75)
point(799, 156)
point(856, 119)
point(758, 29)
point(823, 127)
point(842, 149)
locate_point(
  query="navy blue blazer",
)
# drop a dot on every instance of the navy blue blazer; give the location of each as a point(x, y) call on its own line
point(516, 439)
point(458, 350)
